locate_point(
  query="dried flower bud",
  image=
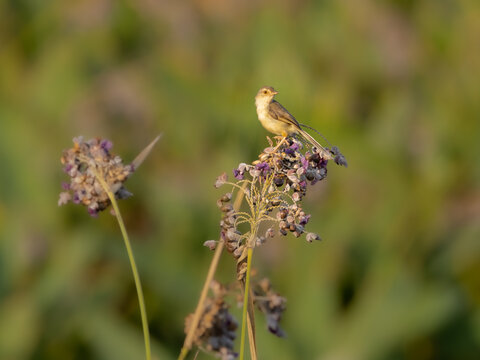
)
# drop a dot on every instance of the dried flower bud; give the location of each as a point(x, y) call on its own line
point(271, 304)
point(312, 236)
point(226, 197)
point(282, 213)
point(260, 240)
point(279, 181)
point(270, 233)
point(226, 208)
point(222, 179)
point(216, 329)
point(211, 244)
point(339, 158)
point(296, 196)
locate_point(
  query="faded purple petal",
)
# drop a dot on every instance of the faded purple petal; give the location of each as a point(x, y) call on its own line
point(67, 168)
point(340, 160)
point(262, 166)
point(92, 212)
point(106, 144)
point(237, 174)
point(304, 162)
point(305, 219)
point(76, 198)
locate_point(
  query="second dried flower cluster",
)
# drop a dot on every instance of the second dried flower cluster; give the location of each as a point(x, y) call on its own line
point(83, 163)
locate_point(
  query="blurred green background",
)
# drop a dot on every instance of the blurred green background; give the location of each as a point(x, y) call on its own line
point(395, 84)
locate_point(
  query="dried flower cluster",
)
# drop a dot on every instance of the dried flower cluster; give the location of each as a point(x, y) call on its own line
point(271, 304)
point(83, 163)
point(273, 187)
point(216, 330)
point(278, 180)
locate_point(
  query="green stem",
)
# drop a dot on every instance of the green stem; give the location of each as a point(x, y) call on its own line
point(245, 302)
point(138, 284)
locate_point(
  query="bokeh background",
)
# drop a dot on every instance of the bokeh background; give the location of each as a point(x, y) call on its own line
point(395, 84)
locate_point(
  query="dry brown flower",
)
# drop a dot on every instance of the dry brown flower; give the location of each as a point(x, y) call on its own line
point(216, 330)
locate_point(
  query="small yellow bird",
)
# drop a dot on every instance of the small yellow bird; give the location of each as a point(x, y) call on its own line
point(276, 119)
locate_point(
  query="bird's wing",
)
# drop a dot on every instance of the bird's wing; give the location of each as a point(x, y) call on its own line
point(278, 112)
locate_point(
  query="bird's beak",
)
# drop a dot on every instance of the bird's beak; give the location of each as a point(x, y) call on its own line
point(274, 92)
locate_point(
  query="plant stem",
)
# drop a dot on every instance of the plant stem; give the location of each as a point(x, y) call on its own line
point(245, 302)
point(196, 317)
point(211, 273)
point(136, 277)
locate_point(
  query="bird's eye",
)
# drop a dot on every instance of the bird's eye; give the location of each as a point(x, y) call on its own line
point(264, 91)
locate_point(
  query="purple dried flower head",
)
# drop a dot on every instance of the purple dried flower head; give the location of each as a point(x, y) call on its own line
point(276, 182)
point(83, 163)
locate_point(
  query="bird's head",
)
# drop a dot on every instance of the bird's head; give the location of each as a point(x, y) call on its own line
point(266, 93)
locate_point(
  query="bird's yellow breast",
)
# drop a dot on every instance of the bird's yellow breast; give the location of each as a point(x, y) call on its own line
point(270, 124)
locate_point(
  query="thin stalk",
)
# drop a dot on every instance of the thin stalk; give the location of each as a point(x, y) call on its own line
point(251, 327)
point(245, 302)
point(198, 313)
point(187, 345)
point(136, 277)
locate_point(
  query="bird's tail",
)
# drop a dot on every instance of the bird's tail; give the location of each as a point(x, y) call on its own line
point(323, 152)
